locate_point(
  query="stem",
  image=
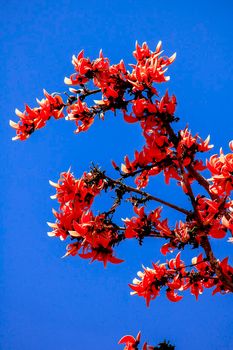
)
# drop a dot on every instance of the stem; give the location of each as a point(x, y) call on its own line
point(133, 173)
point(148, 196)
point(190, 193)
point(142, 168)
point(197, 263)
point(89, 92)
point(201, 180)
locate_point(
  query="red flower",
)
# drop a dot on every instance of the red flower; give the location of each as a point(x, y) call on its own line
point(149, 286)
point(150, 68)
point(130, 341)
point(82, 66)
point(167, 104)
point(81, 114)
point(94, 234)
point(222, 169)
point(209, 212)
point(36, 118)
point(143, 225)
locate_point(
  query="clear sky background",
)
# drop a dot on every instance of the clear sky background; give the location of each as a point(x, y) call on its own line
point(48, 303)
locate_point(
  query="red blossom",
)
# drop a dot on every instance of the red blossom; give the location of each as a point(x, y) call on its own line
point(227, 270)
point(130, 342)
point(167, 104)
point(150, 67)
point(151, 282)
point(221, 168)
point(95, 234)
point(143, 225)
point(36, 118)
point(209, 213)
point(81, 114)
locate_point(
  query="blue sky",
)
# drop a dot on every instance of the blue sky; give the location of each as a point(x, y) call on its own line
point(49, 303)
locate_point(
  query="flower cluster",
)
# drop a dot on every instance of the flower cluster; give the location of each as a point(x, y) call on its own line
point(176, 155)
point(150, 67)
point(114, 82)
point(35, 118)
point(210, 214)
point(110, 78)
point(81, 114)
point(174, 276)
point(143, 225)
point(93, 236)
point(221, 168)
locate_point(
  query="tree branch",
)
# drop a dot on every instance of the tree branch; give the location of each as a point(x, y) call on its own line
point(147, 195)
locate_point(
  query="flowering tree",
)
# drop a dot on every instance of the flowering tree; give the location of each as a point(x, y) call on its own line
point(176, 154)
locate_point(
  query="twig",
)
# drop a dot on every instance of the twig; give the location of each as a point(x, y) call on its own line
point(147, 195)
